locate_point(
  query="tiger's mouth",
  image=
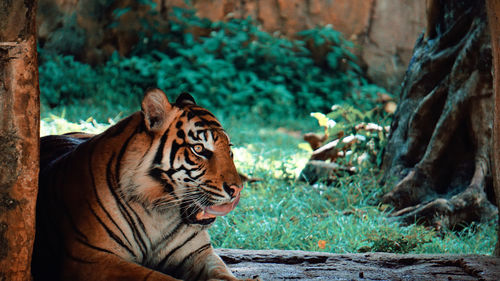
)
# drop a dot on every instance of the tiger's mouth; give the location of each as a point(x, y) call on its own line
point(213, 211)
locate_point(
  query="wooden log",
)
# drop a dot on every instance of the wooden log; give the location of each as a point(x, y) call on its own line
point(19, 137)
point(300, 265)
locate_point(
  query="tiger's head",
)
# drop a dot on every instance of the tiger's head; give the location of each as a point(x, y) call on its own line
point(189, 164)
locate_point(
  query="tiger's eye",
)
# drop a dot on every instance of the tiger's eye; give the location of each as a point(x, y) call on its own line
point(198, 148)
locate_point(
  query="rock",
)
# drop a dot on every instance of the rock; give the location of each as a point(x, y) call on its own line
point(299, 265)
point(328, 172)
point(391, 35)
point(384, 31)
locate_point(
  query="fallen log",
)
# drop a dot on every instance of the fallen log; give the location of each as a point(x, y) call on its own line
point(301, 265)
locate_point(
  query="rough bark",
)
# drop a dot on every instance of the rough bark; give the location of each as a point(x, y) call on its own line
point(19, 134)
point(493, 8)
point(438, 153)
point(299, 265)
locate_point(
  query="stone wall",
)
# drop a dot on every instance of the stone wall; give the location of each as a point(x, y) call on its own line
point(384, 30)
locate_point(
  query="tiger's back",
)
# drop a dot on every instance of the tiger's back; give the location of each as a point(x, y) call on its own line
point(135, 201)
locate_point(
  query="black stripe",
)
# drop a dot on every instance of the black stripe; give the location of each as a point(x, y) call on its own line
point(94, 247)
point(181, 134)
point(123, 211)
point(111, 234)
point(157, 173)
point(211, 192)
point(198, 276)
point(162, 263)
point(207, 153)
point(193, 253)
point(159, 152)
point(202, 173)
point(113, 185)
point(72, 222)
point(77, 259)
point(201, 112)
point(191, 135)
point(121, 153)
point(98, 199)
point(148, 275)
point(121, 205)
point(140, 241)
point(173, 151)
point(170, 172)
point(188, 160)
point(207, 123)
point(161, 243)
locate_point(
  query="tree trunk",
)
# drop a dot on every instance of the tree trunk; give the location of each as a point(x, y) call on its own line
point(493, 8)
point(438, 154)
point(19, 135)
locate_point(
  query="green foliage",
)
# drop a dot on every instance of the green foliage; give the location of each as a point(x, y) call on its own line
point(361, 134)
point(63, 79)
point(233, 67)
point(239, 67)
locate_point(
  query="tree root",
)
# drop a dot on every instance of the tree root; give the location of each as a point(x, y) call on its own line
point(439, 147)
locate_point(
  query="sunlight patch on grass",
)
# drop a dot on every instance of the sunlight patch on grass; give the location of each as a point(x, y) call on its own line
point(56, 125)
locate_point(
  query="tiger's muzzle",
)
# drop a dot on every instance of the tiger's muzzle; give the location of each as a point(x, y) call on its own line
point(208, 212)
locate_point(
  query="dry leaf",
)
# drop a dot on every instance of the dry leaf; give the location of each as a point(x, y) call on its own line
point(321, 244)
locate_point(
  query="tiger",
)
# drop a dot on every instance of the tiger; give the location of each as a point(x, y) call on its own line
point(135, 202)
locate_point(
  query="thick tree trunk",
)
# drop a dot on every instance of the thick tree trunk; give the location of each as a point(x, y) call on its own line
point(493, 8)
point(439, 150)
point(19, 135)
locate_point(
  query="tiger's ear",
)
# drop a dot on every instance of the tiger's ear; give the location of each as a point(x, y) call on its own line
point(184, 99)
point(155, 107)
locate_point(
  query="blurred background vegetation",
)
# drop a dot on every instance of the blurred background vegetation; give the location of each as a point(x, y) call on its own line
point(268, 90)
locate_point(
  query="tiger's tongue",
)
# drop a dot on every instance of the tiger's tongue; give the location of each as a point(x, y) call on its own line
point(218, 210)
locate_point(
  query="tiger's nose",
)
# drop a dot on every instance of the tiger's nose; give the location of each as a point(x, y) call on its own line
point(232, 190)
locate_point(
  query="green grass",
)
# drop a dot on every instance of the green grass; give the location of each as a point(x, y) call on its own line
point(282, 213)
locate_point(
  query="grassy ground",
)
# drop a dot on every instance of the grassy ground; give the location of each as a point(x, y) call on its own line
point(282, 213)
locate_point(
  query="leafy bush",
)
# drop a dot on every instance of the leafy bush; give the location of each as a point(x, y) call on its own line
point(62, 80)
point(359, 136)
point(233, 67)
